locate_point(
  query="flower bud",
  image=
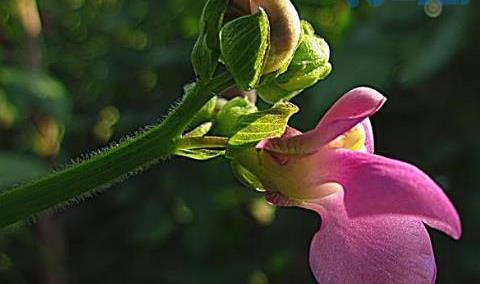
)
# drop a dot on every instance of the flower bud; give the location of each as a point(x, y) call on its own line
point(228, 116)
point(309, 65)
point(206, 113)
point(234, 91)
point(285, 30)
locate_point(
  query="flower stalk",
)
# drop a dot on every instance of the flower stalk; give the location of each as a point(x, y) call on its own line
point(111, 165)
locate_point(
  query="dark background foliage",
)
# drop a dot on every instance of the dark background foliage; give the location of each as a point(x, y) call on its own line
point(101, 69)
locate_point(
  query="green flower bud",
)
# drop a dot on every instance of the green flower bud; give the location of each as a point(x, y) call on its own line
point(309, 65)
point(228, 116)
point(206, 113)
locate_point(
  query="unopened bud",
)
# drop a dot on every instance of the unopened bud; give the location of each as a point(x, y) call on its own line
point(234, 91)
point(227, 118)
point(308, 66)
point(285, 29)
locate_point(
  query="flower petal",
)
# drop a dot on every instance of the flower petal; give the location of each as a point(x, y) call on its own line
point(350, 110)
point(375, 185)
point(369, 140)
point(379, 249)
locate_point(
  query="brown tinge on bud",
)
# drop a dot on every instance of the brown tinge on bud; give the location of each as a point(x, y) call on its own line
point(243, 5)
point(234, 91)
point(285, 29)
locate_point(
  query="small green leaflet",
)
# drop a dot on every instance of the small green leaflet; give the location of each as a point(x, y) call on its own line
point(263, 124)
point(205, 53)
point(244, 46)
point(200, 154)
point(200, 130)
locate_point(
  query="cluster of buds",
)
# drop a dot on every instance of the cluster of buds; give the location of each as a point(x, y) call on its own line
point(263, 44)
point(267, 49)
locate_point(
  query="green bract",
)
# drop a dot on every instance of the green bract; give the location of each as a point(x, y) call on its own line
point(244, 44)
point(262, 125)
point(200, 154)
point(229, 115)
point(308, 66)
point(205, 53)
point(200, 130)
point(246, 177)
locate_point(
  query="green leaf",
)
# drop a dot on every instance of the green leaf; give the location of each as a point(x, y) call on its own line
point(29, 91)
point(244, 46)
point(16, 168)
point(205, 53)
point(264, 124)
point(200, 154)
point(200, 130)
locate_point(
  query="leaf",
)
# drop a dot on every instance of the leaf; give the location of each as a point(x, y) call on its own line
point(200, 131)
point(32, 91)
point(244, 46)
point(262, 125)
point(200, 154)
point(15, 168)
point(205, 53)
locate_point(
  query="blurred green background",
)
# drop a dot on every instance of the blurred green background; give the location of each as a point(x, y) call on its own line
point(83, 73)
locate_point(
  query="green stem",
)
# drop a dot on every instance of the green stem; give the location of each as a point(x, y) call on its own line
point(111, 165)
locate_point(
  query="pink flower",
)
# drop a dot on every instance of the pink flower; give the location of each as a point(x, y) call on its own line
point(373, 209)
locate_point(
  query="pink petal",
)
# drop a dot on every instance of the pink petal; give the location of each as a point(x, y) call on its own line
point(368, 130)
point(375, 185)
point(350, 110)
point(379, 249)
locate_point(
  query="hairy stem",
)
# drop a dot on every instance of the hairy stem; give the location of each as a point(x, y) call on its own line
point(111, 165)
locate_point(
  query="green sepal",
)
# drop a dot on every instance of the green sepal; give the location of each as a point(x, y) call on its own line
point(246, 177)
point(262, 125)
point(244, 45)
point(206, 52)
point(200, 130)
point(308, 65)
point(228, 116)
point(200, 154)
